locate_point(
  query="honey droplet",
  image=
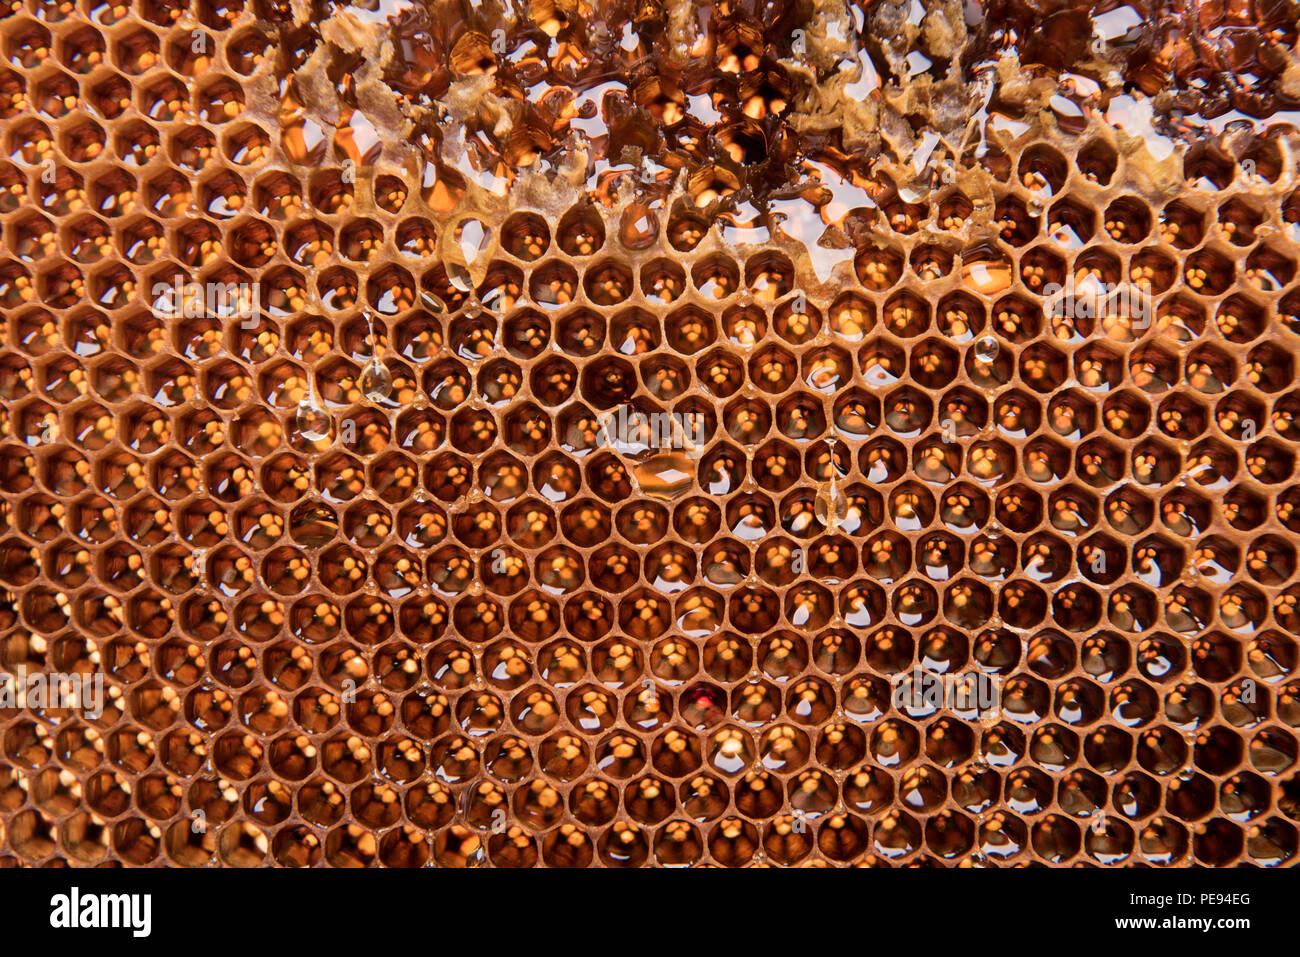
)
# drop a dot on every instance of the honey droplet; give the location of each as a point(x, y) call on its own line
point(986, 348)
point(312, 419)
point(460, 278)
point(666, 475)
point(376, 381)
point(831, 505)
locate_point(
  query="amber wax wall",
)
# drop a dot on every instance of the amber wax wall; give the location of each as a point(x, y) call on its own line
point(603, 434)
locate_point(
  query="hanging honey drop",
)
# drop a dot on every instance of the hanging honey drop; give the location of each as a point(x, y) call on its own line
point(375, 381)
point(312, 419)
point(460, 278)
point(986, 349)
point(831, 505)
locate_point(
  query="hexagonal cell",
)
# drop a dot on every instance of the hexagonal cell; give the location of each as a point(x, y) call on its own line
point(81, 50)
point(190, 55)
point(86, 239)
point(219, 101)
point(1270, 368)
point(82, 140)
point(62, 193)
point(27, 44)
point(246, 144)
point(1269, 270)
point(1238, 221)
point(526, 236)
point(1208, 168)
point(903, 217)
point(1042, 267)
point(1016, 224)
point(1097, 161)
point(931, 261)
point(31, 141)
point(1042, 170)
point(1152, 368)
point(878, 268)
point(906, 315)
point(31, 236)
point(581, 232)
point(54, 96)
point(111, 96)
point(955, 210)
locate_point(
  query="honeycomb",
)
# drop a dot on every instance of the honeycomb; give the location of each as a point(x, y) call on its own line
point(559, 434)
